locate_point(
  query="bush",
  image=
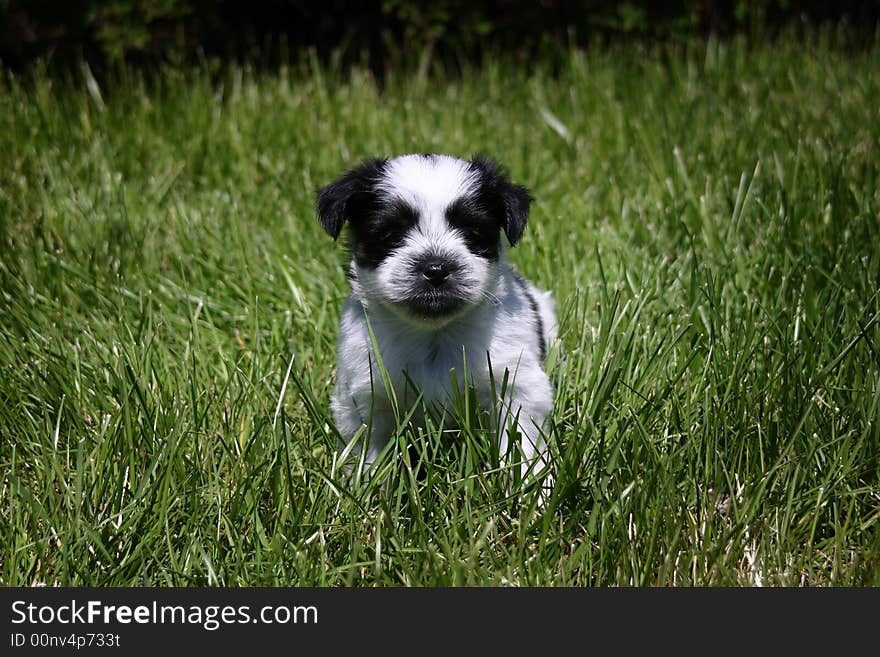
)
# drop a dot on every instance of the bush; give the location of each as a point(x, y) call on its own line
point(112, 30)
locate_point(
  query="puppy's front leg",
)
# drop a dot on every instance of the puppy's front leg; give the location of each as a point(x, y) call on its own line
point(378, 422)
point(531, 426)
point(525, 405)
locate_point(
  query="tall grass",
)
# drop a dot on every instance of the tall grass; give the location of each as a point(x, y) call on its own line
point(707, 218)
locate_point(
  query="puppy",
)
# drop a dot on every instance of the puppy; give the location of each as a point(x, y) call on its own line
point(430, 282)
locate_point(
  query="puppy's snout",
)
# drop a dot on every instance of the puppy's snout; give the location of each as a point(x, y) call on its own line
point(435, 271)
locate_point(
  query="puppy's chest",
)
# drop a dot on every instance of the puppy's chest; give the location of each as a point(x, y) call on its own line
point(434, 363)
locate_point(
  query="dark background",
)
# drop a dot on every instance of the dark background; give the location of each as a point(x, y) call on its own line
point(482, 620)
point(385, 33)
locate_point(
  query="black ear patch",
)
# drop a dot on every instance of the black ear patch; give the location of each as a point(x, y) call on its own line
point(517, 201)
point(339, 200)
point(508, 201)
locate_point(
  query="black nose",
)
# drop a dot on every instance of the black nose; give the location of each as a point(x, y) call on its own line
point(435, 271)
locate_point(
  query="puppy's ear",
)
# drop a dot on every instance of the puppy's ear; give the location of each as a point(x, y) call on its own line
point(517, 201)
point(336, 201)
point(508, 200)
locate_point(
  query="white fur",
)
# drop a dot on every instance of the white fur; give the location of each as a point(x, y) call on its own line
point(427, 356)
point(429, 184)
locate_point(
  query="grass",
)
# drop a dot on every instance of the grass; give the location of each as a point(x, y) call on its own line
point(706, 216)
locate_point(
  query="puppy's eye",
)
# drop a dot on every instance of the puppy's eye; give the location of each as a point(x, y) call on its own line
point(468, 215)
point(479, 227)
point(391, 235)
point(393, 223)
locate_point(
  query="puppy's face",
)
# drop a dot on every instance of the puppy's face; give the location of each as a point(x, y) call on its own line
point(425, 230)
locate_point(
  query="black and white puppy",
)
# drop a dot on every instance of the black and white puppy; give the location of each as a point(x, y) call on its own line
point(429, 274)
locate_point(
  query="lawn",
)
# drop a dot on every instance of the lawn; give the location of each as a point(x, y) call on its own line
point(706, 216)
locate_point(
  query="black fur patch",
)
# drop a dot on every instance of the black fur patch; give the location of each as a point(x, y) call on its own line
point(479, 227)
point(350, 196)
point(379, 229)
point(502, 198)
point(378, 225)
point(536, 314)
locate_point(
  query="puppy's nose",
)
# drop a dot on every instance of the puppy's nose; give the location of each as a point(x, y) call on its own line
point(435, 271)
